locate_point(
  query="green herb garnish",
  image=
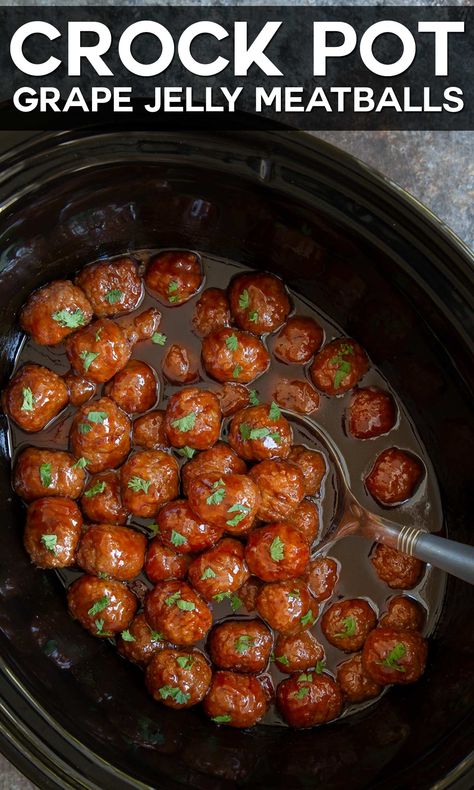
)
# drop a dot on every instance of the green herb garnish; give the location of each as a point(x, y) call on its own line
point(49, 542)
point(176, 538)
point(308, 618)
point(253, 398)
point(97, 488)
point(185, 662)
point(244, 300)
point(81, 463)
point(45, 475)
point(223, 719)
point(240, 510)
point(97, 417)
point(232, 343)
point(88, 358)
point(70, 320)
point(186, 452)
point(139, 484)
point(98, 606)
point(127, 636)
point(184, 424)
point(274, 412)
point(218, 493)
point(29, 400)
point(350, 627)
point(277, 549)
point(114, 296)
point(391, 660)
point(208, 573)
point(181, 697)
point(282, 660)
point(159, 339)
point(243, 643)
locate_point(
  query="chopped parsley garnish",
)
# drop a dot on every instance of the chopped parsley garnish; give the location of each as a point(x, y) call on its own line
point(232, 343)
point(218, 493)
point(88, 358)
point(243, 643)
point(83, 427)
point(186, 452)
point(343, 367)
point(172, 288)
point(97, 417)
point(29, 400)
point(173, 598)
point(81, 463)
point(98, 334)
point(184, 424)
point(127, 636)
point(237, 371)
point(155, 636)
point(70, 320)
point(154, 529)
point(207, 573)
point(97, 488)
point(99, 624)
point(282, 660)
point(240, 510)
point(224, 718)
point(274, 412)
point(159, 339)
point(49, 542)
point(114, 296)
point(350, 627)
point(277, 549)
point(176, 538)
point(305, 676)
point(181, 697)
point(302, 692)
point(102, 575)
point(244, 300)
point(235, 601)
point(45, 475)
point(294, 595)
point(253, 316)
point(253, 398)
point(247, 432)
point(391, 660)
point(185, 606)
point(320, 666)
point(308, 618)
point(98, 606)
point(185, 662)
point(139, 484)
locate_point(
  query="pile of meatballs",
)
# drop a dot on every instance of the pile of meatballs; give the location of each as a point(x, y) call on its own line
point(207, 497)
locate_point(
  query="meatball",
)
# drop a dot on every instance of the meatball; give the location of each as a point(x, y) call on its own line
point(80, 389)
point(101, 502)
point(39, 472)
point(242, 645)
point(322, 578)
point(393, 656)
point(306, 519)
point(52, 531)
point(394, 477)
point(281, 487)
point(182, 530)
point(339, 366)
point(399, 571)
point(313, 466)
point(371, 413)
point(315, 699)
point(178, 679)
point(211, 312)
point(235, 699)
point(193, 419)
point(346, 624)
point(230, 501)
point(355, 684)
point(233, 355)
point(134, 388)
point(148, 480)
point(104, 607)
point(175, 610)
point(174, 276)
point(286, 606)
point(112, 287)
point(259, 302)
point(142, 326)
point(220, 458)
point(149, 431)
point(233, 398)
point(138, 643)
point(258, 433)
point(99, 350)
point(180, 366)
point(33, 397)
point(117, 552)
point(277, 552)
point(404, 614)
point(295, 395)
point(298, 652)
point(163, 563)
point(249, 591)
point(100, 432)
point(299, 340)
point(220, 570)
point(54, 311)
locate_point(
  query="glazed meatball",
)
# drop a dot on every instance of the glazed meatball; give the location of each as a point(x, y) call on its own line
point(277, 552)
point(117, 552)
point(211, 312)
point(286, 606)
point(163, 563)
point(281, 487)
point(52, 532)
point(313, 699)
point(392, 656)
point(259, 302)
point(230, 501)
point(306, 519)
point(233, 355)
point(99, 350)
point(177, 678)
point(346, 624)
point(104, 607)
point(249, 591)
point(80, 389)
point(295, 395)
point(134, 388)
point(322, 578)
point(298, 652)
point(148, 479)
point(174, 276)
point(220, 458)
point(404, 614)
point(142, 326)
point(39, 472)
point(149, 431)
point(235, 699)
point(180, 366)
point(241, 645)
point(313, 466)
point(175, 610)
point(399, 571)
point(54, 311)
point(181, 529)
point(233, 398)
point(102, 502)
point(193, 419)
point(33, 397)
point(100, 433)
point(371, 413)
point(355, 684)
point(138, 643)
point(299, 340)
point(339, 366)
point(112, 287)
point(220, 570)
point(258, 433)
point(394, 477)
